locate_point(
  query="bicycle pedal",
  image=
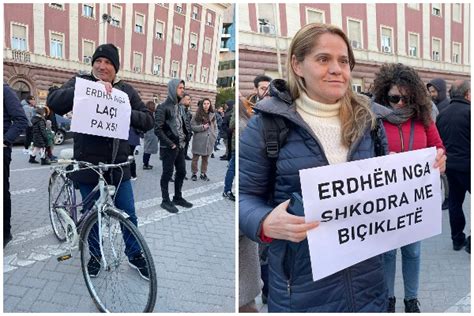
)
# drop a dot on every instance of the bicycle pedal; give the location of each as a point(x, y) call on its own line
point(64, 257)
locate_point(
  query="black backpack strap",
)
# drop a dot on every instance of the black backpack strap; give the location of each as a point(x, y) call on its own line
point(377, 138)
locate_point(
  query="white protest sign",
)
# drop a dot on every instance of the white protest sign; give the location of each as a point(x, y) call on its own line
point(96, 113)
point(370, 206)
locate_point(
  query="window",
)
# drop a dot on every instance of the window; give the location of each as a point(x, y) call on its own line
point(355, 33)
point(58, 6)
point(193, 41)
point(436, 49)
point(116, 16)
point(87, 51)
point(266, 18)
point(19, 37)
point(414, 6)
point(207, 45)
point(174, 69)
point(314, 16)
point(356, 88)
point(157, 65)
point(190, 73)
point(436, 9)
point(179, 8)
point(386, 40)
point(204, 75)
point(209, 19)
point(413, 45)
point(88, 10)
point(457, 12)
point(160, 28)
point(177, 35)
point(195, 13)
point(137, 62)
point(56, 45)
point(456, 53)
point(139, 23)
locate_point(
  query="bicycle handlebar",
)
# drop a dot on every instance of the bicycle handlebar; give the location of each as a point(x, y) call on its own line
point(78, 165)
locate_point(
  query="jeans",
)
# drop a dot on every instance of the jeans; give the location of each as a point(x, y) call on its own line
point(124, 201)
point(7, 202)
point(410, 269)
point(133, 165)
point(229, 176)
point(172, 158)
point(459, 183)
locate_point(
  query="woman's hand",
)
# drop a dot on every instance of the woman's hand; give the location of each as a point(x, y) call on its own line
point(440, 160)
point(279, 224)
point(206, 126)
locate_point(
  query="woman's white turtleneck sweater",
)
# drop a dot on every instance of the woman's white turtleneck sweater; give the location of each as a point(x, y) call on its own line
point(324, 120)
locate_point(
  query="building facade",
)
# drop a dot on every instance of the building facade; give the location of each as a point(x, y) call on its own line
point(433, 38)
point(226, 69)
point(45, 44)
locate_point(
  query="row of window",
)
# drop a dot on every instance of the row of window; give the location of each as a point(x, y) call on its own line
point(19, 39)
point(88, 10)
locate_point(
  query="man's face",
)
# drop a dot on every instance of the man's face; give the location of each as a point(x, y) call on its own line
point(186, 101)
point(433, 93)
point(104, 69)
point(32, 102)
point(180, 90)
point(262, 89)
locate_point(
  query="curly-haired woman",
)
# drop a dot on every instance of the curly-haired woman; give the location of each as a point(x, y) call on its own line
point(204, 128)
point(409, 126)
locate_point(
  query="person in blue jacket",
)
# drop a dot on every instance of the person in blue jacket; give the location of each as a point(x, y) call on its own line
point(328, 124)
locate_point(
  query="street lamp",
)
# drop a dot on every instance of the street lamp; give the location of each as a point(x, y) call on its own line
point(106, 18)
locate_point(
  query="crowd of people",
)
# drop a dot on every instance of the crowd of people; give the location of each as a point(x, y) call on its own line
point(320, 121)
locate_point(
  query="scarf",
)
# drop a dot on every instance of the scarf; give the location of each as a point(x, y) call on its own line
point(397, 116)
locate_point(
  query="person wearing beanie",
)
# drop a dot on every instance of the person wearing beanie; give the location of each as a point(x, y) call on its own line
point(95, 149)
point(437, 90)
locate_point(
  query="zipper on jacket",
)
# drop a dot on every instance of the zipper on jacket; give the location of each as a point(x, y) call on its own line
point(288, 288)
point(400, 131)
point(350, 296)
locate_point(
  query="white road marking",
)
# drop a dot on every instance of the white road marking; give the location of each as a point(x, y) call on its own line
point(462, 306)
point(42, 252)
point(23, 191)
point(30, 169)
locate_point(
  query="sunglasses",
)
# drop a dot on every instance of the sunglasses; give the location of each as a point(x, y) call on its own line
point(396, 98)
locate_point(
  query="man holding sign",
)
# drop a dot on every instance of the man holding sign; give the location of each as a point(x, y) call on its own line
point(104, 108)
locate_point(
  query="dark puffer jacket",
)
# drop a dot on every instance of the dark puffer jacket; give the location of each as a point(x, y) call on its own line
point(40, 137)
point(359, 288)
point(97, 149)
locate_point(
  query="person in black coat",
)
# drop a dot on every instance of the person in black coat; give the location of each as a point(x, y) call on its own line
point(454, 125)
point(14, 123)
point(40, 137)
point(227, 129)
point(95, 149)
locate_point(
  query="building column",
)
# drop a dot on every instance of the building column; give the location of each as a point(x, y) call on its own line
point(447, 33)
point(74, 32)
point(426, 40)
point(467, 33)
point(150, 38)
point(401, 30)
point(372, 43)
point(169, 42)
point(39, 38)
point(186, 31)
point(129, 29)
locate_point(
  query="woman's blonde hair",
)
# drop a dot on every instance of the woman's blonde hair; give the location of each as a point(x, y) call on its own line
point(355, 111)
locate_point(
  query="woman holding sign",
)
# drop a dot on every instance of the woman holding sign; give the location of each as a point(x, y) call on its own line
point(317, 121)
point(409, 126)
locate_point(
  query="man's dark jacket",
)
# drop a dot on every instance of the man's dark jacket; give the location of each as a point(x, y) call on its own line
point(165, 118)
point(14, 117)
point(454, 126)
point(97, 149)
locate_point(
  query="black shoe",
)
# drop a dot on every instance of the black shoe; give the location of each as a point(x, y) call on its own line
point(223, 157)
point(204, 177)
point(264, 299)
point(182, 202)
point(459, 246)
point(186, 178)
point(32, 159)
point(412, 306)
point(468, 245)
point(169, 206)
point(229, 195)
point(93, 266)
point(194, 177)
point(212, 155)
point(445, 205)
point(45, 161)
point(172, 179)
point(147, 167)
point(7, 239)
point(188, 158)
point(391, 305)
point(140, 264)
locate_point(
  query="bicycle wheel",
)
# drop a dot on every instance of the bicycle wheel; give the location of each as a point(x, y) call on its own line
point(117, 287)
point(59, 194)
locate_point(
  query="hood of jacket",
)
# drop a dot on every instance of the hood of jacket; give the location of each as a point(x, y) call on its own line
point(440, 86)
point(172, 86)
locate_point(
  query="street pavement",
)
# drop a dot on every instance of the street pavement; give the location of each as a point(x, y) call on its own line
point(445, 274)
point(194, 250)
